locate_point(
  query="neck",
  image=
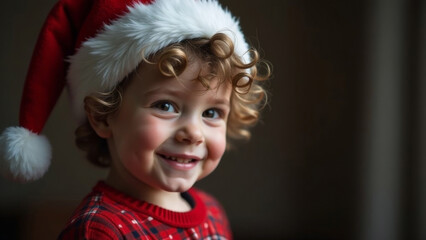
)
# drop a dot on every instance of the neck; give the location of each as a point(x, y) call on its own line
point(137, 189)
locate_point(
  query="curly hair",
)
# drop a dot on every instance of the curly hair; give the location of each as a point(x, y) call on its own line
point(247, 99)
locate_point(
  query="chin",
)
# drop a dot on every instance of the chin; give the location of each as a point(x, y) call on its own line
point(178, 187)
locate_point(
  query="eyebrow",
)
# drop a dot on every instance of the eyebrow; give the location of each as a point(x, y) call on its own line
point(219, 101)
point(160, 90)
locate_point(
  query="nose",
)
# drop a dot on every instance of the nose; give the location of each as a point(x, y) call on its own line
point(190, 133)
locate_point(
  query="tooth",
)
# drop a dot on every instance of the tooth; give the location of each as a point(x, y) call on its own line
point(180, 160)
point(183, 160)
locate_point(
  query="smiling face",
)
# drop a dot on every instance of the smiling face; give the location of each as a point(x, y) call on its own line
point(168, 133)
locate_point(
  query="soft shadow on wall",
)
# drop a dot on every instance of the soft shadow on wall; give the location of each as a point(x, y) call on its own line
point(316, 166)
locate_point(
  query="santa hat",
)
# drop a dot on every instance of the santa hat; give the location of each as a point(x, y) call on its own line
point(90, 46)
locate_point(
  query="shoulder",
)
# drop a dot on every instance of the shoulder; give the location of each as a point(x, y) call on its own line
point(94, 219)
point(211, 203)
point(216, 215)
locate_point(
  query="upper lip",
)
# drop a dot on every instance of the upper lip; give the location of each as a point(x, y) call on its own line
point(179, 155)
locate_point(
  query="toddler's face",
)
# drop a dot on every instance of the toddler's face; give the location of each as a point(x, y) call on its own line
point(169, 133)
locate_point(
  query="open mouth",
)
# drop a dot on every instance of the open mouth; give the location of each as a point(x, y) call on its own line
point(177, 159)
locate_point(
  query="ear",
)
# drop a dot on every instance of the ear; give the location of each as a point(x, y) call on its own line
point(101, 127)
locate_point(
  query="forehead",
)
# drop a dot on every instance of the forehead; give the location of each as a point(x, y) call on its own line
point(148, 79)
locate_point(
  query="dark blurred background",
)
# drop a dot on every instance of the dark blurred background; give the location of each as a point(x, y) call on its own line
point(339, 153)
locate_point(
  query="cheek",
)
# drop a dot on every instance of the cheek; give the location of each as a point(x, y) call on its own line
point(216, 147)
point(140, 136)
point(152, 132)
point(216, 143)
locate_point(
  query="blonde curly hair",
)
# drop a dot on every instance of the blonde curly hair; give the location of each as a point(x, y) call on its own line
point(247, 98)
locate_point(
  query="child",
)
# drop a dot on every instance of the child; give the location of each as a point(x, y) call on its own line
point(157, 87)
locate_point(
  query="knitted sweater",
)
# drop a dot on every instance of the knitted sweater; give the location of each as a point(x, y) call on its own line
point(107, 213)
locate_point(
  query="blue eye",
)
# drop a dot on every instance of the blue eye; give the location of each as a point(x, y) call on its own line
point(164, 106)
point(212, 113)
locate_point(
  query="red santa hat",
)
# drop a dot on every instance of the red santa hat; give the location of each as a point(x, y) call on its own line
point(92, 45)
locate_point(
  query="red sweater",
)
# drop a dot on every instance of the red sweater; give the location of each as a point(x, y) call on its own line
point(107, 213)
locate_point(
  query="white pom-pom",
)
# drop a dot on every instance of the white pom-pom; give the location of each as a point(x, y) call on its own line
point(26, 155)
